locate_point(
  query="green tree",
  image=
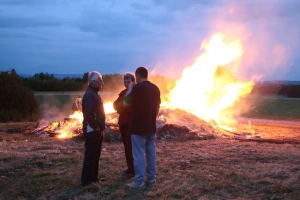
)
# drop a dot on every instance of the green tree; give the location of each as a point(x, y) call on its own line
point(17, 101)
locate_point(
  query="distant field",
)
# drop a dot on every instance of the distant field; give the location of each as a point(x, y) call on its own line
point(273, 107)
point(261, 106)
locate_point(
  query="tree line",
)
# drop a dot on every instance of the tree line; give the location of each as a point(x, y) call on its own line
point(292, 91)
point(18, 101)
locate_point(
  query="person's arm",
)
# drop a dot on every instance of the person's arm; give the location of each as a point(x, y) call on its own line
point(89, 110)
point(157, 111)
point(158, 106)
point(125, 109)
point(118, 103)
point(101, 116)
point(119, 107)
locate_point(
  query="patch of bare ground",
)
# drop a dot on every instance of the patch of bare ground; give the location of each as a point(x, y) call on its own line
point(270, 129)
point(221, 168)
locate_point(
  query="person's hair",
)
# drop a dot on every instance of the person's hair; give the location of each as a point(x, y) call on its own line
point(94, 76)
point(129, 75)
point(142, 72)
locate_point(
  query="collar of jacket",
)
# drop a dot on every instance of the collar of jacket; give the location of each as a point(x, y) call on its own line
point(92, 88)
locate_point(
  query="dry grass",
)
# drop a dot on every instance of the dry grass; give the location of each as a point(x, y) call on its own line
point(48, 168)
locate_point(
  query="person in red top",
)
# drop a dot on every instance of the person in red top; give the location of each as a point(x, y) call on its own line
point(124, 122)
point(77, 105)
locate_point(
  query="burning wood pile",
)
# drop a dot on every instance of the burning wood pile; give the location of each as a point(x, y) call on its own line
point(68, 128)
point(173, 125)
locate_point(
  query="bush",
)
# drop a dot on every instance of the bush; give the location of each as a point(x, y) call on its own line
point(293, 91)
point(17, 102)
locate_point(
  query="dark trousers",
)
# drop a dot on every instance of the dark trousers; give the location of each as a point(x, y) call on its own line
point(93, 145)
point(126, 138)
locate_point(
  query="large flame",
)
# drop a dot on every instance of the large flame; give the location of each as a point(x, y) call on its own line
point(66, 129)
point(108, 107)
point(202, 92)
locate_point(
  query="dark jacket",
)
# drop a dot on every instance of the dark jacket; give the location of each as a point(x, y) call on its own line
point(93, 110)
point(125, 112)
point(145, 100)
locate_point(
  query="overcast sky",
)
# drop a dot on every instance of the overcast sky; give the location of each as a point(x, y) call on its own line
point(115, 36)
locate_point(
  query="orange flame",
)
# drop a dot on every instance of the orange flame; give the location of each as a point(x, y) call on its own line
point(108, 107)
point(202, 92)
point(66, 128)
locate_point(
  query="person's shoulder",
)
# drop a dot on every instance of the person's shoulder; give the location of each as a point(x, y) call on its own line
point(154, 86)
point(89, 93)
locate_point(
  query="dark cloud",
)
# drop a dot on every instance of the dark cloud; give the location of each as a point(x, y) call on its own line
point(116, 36)
point(20, 34)
point(140, 7)
point(181, 5)
point(110, 24)
point(26, 2)
point(27, 22)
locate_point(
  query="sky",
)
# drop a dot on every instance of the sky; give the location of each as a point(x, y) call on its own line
point(116, 36)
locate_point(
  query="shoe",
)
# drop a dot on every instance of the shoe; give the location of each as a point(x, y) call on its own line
point(135, 185)
point(150, 183)
point(95, 180)
point(86, 184)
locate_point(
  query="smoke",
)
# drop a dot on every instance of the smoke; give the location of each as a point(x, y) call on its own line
point(55, 108)
point(268, 32)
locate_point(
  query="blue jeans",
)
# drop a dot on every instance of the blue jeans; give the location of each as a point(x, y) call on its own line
point(140, 146)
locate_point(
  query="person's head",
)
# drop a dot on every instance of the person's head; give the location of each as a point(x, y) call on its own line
point(141, 74)
point(128, 78)
point(95, 80)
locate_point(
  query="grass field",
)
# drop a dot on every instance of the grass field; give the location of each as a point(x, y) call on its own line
point(223, 168)
point(273, 107)
point(48, 168)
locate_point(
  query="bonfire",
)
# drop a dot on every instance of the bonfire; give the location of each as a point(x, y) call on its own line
point(197, 106)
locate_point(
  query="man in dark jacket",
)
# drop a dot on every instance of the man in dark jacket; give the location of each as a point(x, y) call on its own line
point(124, 121)
point(145, 100)
point(93, 126)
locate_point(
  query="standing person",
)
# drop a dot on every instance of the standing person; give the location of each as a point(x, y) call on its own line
point(145, 100)
point(77, 105)
point(124, 121)
point(93, 126)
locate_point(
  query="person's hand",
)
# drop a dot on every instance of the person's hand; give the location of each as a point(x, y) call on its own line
point(130, 86)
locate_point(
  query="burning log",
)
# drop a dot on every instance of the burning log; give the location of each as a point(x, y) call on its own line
point(39, 130)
